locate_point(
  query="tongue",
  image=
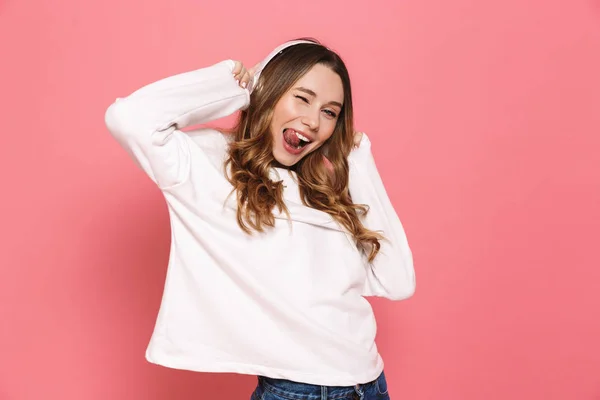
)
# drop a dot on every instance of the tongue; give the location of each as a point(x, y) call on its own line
point(290, 137)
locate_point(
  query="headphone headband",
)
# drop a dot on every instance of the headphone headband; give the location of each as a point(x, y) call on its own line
point(272, 55)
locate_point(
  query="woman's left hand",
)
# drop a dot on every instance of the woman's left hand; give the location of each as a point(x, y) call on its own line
point(357, 138)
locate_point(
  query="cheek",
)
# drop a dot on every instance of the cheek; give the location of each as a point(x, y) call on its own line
point(278, 118)
point(328, 127)
point(284, 111)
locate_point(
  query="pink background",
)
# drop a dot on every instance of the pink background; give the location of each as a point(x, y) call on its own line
point(485, 118)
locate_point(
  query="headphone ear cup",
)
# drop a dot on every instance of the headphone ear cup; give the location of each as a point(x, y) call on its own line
point(250, 86)
point(253, 77)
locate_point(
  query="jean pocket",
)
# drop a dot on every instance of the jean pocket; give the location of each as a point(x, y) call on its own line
point(259, 392)
point(381, 384)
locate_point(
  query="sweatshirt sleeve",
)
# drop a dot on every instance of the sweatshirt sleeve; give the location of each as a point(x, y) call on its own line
point(148, 122)
point(391, 274)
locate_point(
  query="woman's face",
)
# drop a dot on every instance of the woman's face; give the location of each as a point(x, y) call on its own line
point(306, 115)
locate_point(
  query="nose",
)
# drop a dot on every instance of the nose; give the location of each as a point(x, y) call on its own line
point(311, 119)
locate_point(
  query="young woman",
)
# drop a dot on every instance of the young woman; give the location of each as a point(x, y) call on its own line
point(279, 229)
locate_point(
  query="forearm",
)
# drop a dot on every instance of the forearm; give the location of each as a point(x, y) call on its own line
point(181, 100)
point(147, 123)
point(391, 274)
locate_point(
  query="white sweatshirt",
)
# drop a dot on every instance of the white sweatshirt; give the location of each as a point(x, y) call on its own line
point(287, 303)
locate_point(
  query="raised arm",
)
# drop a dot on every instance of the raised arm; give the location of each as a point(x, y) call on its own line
point(391, 274)
point(147, 123)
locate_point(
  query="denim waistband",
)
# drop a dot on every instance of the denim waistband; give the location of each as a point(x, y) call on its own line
point(305, 391)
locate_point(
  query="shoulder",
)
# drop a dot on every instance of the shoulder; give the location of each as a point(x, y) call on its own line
point(211, 142)
point(209, 138)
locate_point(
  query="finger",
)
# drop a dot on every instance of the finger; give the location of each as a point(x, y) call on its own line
point(240, 75)
point(245, 79)
point(357, 138)
point(237, 68)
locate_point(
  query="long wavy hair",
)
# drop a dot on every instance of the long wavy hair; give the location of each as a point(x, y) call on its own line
point(322, 174)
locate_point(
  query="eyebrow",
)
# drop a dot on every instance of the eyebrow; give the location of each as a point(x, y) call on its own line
point(312, 93)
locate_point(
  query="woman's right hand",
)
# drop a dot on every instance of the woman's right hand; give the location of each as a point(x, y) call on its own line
point(242, 75)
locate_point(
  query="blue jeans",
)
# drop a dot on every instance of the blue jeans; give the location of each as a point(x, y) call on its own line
point(281, 389)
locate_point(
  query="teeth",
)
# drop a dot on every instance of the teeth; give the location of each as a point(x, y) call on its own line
point(302, 137)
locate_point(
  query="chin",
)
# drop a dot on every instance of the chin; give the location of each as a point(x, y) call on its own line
point(286, 160)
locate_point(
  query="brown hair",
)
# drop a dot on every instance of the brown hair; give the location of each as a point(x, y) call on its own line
point(322, 187)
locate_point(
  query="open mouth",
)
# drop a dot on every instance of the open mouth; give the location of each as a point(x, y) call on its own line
point(294, 139)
